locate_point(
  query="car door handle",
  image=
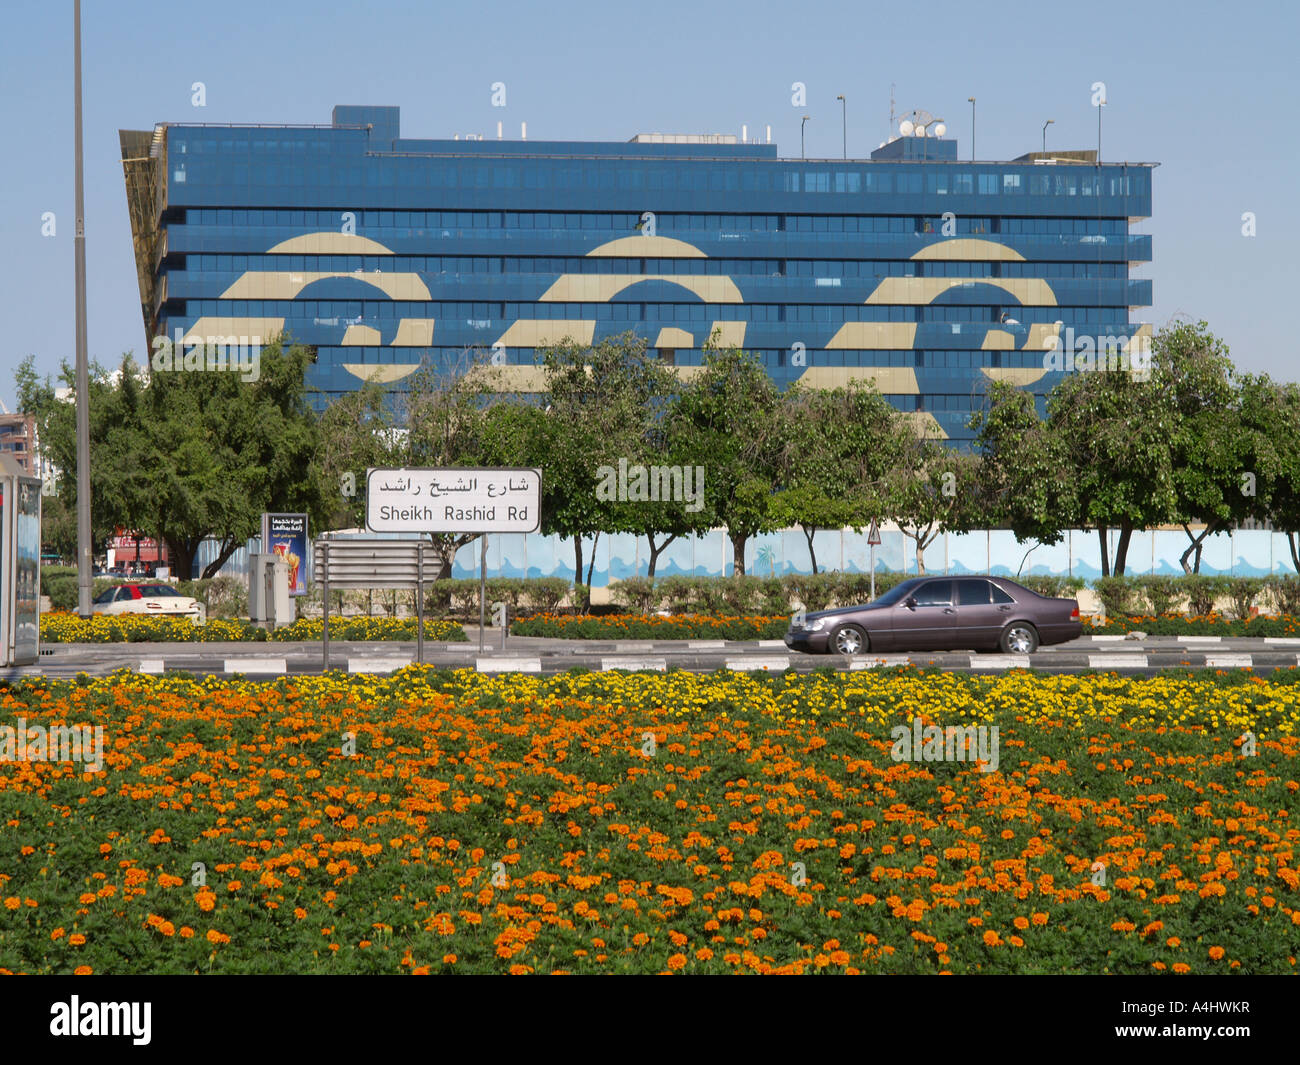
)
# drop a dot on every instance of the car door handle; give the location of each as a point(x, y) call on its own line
point(949, 610)
point(1004, 609)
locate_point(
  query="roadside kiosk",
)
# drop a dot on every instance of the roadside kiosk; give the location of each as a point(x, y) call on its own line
point(20, 564)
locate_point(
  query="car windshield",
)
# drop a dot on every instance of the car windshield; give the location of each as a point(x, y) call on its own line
point(106, 596)
point(896, 594)
point(154, 591)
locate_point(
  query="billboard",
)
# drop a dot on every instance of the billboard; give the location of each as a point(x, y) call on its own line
point(286, 536)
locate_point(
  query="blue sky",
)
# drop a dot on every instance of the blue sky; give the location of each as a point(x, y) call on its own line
point(1207, 90)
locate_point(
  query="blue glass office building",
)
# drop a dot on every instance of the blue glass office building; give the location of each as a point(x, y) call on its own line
point(926, 274)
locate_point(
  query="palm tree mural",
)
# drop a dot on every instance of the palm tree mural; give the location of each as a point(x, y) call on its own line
point(766, 554)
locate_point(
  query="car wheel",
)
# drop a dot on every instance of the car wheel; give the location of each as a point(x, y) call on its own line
point(849, 640)
point(1019, 638)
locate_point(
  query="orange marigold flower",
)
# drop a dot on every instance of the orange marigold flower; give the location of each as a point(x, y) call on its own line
point(1021, 922)
point(449, 959)
point(1216, 953)
point(677, 961)
point(77, 939)
point(82, 970)
point(1182, 967)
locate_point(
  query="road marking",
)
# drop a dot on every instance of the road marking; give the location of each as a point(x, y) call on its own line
point(508, 665)
point(999, 661)
point(1117, 661)
point(1200, 639)
point(753, 662)
point(1228, 661)
point(706, 645)
point(1284, 640)
point(883, 661)
point(390, 664)
point(772, 643)
point(151, 665)
point(1108, 639)
point(635, 648)
point(256, 665)
point(633, 662)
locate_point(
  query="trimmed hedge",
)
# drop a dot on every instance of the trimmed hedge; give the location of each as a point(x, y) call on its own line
point(1201, 625)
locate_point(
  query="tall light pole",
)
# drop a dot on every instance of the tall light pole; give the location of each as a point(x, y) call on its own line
point(84, 560)
point(803, 122)
point(844, 121)
point(1045, 125)
point(971, 101)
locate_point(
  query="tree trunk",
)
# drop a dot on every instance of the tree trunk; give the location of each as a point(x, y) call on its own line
point(182, 553)
point(808, 533)
point(1121, 549)
point(1105, 551)
point(592, 565)
point(214, 567)
point(738, 541)
point(1291, 539)
point(655, 552)
point(1198, 542)
point(577, 560)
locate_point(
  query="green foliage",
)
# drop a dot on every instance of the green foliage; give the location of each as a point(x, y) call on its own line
point(184, 456)
point(1164, 594)
point(1202, 591)
point(1284, 592)
point(1242, 592)
point(1120, 596)
point(1053, 587)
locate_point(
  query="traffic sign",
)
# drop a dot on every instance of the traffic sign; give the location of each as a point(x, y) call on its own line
point(455, 500)
point(873, 534)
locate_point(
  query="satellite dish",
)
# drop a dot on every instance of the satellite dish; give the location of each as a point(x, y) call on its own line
point(880, 145)
point(940, 130)
point(919, 131)
point(905, 128)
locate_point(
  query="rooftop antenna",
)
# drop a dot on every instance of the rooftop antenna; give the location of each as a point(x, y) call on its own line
point(891, 108)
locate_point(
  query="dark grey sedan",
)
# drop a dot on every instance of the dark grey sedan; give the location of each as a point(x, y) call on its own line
point(941, 614)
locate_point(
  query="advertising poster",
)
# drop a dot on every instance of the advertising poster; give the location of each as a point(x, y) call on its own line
point(27, 572)
point(286, 536)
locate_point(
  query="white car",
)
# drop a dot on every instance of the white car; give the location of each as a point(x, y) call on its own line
point(157, 599)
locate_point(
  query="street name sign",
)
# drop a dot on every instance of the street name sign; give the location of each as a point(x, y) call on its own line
point(456, 500)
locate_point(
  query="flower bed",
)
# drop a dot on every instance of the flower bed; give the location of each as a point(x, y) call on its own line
point(651, 627)
point(511, 823)
point(139, 628)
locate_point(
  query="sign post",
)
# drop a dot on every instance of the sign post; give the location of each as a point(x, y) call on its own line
point(482, 590)
point(873, 538)
point(456, 501)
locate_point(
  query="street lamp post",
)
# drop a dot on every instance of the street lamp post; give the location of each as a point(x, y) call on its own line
point(1045, 125)
point(84, 568)
point(844, 122)
point(971, 101)
point(803, 122)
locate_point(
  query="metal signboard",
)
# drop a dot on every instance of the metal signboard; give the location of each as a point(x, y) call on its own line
point(456, 500)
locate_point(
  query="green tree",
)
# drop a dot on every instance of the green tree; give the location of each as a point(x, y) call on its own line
point(1193, 376)
point(728, 419)
point(932, 489)
point(838, 450)
point(188, 455)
